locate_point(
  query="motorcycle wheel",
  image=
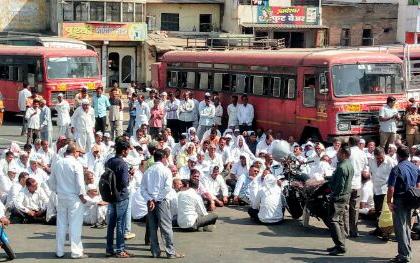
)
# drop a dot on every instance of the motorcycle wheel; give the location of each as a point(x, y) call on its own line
point(9, 251)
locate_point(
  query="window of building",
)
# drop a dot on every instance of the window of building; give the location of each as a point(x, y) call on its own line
point(413, 2)
point(80, 10)
point(169, 22)
point(113, 12)
point(97, 10)
point(345, 37)
point(367, 37)
point(151, 23)
point(206, 23)
point(128, 12)
point(68, 11)
point(139, 13)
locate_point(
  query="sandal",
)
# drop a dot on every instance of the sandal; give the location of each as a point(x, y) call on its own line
point(176, 256)
point(122, 254)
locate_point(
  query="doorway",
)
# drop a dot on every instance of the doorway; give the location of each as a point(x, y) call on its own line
point(121, 65)
point(291, 39)
point(205, 23)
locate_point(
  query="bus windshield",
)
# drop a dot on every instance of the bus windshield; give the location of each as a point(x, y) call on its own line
point(72, 67)
point(366, 79)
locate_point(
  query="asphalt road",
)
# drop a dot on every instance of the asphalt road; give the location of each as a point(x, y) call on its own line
point(235, 239)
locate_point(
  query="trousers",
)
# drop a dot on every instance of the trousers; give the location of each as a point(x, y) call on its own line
point(161, 217)
point(352, 214)
point(402, 228)
point(117, 213)
point(69, 219)
point(386, 138)
point(207, 220)
point(84, 139)
point(100, 124)
point(335, 223)
point(378, 201)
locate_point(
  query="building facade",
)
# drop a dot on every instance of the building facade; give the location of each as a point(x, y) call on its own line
point(360, 23)
point(409, 22)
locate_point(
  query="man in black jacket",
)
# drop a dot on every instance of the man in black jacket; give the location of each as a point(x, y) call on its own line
point(117, 211)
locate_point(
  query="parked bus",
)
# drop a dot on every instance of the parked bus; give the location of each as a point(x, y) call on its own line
point(55, 42)
point(307, 93)
point(49, 70)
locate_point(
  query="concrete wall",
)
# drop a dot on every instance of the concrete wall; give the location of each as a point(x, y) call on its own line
point(357, 17)
point(24, 15)
point(189, 14)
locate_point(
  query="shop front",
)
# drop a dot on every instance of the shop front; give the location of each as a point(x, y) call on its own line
point(120, 46)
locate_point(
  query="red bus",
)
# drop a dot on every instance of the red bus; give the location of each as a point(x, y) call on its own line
point(49, 70)
point(304, 93)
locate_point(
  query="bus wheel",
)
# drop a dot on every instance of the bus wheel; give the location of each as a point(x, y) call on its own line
point(310, 133)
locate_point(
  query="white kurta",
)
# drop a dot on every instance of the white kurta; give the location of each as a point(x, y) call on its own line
point(83, 122)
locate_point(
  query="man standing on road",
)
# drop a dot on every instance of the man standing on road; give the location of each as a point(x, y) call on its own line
point(245, 114)
point(82, 125)
point(63, 116)
point(117, 211)
point(46, 122)
point(100, 105)
point(404, 176)
point(82, 95)
point(358, 161)
point(207, 113)
point(24, 94)
point(155, 187)
point(67, 181)
point(388, 118)
point(32, 117)
point(341, 186)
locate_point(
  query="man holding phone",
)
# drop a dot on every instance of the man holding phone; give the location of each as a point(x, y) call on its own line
point(388, 118)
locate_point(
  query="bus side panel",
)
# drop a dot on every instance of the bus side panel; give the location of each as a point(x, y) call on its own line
point(155, 72)
point(10, 91)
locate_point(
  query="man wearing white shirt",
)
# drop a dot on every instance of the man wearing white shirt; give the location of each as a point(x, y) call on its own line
point(380, 167)
point(24, 94)
point(191, 210)
point(7, 162)
point(67, 181)
point(232, 111)
point(359, 161)
point(207, 113)
point(240, 167)
point(31, 203)
point(37, 173)
point(367, 206)
point(265, 145)
point(245, 114)
point(156, 185)
point(15, 189)
point(83, 124)
point(186, 112)
point(33, 117)
point(142, 112)
point(45, 153)
point(388, 118)
point(172, 115)
point(6, 182)
point(216, 186)
point(213, 158)
point(268, 207)
point(333, 150)
point(218, 111)
point(63, 116)
point(185, 171)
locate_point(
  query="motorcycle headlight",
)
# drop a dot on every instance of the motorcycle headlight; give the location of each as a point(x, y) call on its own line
point(343, 126)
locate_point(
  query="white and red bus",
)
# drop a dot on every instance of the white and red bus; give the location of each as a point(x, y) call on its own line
point(49, 70)
point(303, 93)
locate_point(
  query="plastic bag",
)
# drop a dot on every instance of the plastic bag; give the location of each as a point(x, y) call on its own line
point(386, 223)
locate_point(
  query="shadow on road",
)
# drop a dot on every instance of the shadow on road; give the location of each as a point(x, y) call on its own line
point(341, 259)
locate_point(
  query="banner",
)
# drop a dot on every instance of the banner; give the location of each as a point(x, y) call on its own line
point(293, 15)
point(105, 31)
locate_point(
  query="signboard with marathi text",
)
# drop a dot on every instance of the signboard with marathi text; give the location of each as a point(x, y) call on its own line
point(105, 31)
point(293, 15)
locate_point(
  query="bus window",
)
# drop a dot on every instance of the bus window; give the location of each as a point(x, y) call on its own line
point(291, 89)
point(203, 82)
point(182, 80)
point(173, 79)
point(190, 80)
point(309, 90)
point(276, 87)
point(268, 87)
point(258, 85)
point(221, 82)
point(241, 81)
point(4, 72)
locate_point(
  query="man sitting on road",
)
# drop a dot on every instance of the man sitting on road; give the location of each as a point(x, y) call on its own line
point(216, 186)
point(191, 211)
point(31, 203)
point(242, 192)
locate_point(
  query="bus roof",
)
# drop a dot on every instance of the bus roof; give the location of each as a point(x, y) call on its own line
point(45, 51)
point(302, 57)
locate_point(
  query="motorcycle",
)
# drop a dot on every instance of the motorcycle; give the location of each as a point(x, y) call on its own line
point(302, 193)
point(5, 244)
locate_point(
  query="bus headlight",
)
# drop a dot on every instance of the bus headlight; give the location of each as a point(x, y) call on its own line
point(343, 126)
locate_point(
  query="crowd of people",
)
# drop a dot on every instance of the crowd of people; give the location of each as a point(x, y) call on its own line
point(176, 163)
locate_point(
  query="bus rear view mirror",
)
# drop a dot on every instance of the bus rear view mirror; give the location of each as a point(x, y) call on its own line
point(323, 84)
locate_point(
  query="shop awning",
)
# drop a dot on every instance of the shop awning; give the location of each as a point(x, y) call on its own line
point(282, 26)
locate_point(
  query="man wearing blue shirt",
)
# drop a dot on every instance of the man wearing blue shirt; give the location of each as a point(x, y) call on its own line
point(100, 105)
point(403, 176)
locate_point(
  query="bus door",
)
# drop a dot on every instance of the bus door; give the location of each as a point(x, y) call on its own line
point(306, 110)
